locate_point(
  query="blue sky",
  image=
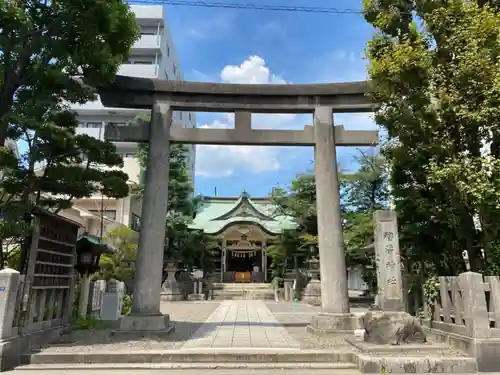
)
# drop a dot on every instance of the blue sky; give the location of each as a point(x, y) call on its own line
point(249, 46)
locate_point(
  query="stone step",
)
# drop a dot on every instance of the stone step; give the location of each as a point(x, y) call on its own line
point(342, 367)
point(195, 355)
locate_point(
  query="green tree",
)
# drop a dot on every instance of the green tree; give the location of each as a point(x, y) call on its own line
point(437, 79)
point(119, 265)
point(362, 193)
point(45, 44)
point(57, 167)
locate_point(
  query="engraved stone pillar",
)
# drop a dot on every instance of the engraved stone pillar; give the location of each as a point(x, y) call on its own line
point(389, 275)
point(335, 316)
point(145, 315)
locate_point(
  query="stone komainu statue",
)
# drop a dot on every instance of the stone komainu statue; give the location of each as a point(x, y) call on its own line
point(391, 328)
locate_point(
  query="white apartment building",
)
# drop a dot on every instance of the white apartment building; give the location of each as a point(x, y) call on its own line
point(152, 56)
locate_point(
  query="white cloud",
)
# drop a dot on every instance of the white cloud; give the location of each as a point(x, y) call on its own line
point(219, 161)
point(252, 70)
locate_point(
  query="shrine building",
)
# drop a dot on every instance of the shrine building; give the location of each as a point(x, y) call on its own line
point(243, 228)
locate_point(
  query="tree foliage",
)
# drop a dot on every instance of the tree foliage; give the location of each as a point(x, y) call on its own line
point(44, 47)
point(434, 69)
point(119, 265)
point(362, 193)
point(45, 44)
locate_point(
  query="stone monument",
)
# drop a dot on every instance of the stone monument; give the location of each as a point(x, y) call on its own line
point(388, 261)
point(390, 324)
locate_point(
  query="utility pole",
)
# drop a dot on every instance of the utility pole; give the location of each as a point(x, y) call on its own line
point(102, 196)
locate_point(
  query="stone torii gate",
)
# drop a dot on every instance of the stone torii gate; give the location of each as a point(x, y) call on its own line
point(322, 100)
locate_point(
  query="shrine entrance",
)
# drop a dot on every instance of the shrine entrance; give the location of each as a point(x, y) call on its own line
point(163, 97)
point(244, 255)
point(244, 261)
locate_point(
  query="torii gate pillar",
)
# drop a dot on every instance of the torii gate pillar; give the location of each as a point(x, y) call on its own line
point(335, 316)
point(146, 315)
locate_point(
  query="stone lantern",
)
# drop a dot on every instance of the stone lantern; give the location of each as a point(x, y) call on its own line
point(170, 288)
point(312, 292)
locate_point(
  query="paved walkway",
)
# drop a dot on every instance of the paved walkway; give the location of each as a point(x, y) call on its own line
point(241, 324)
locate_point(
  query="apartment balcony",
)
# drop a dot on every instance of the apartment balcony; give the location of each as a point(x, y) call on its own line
point(139, 70)
point(148, 15)
point(93, 132)
point(147, 45)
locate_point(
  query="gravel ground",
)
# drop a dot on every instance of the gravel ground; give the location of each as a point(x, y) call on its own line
point(186, 318)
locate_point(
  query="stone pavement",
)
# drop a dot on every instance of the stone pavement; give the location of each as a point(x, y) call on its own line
point(242, 323)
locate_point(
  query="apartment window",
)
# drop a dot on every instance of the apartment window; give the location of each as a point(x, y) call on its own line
point(174, 70)
point(168, 49)
point(190, 117)
point(144, 60)
point(180, 116)
point(136, 223)
point(110, 214)
point(81, 124)
point(95, 125)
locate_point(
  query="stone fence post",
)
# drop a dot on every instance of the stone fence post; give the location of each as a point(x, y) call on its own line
point(475, 314)
point(483, 345)
point(10, 283)
point(197, 294)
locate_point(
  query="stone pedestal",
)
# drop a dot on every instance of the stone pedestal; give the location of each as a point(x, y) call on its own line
point(334, 324)
point(144, 324)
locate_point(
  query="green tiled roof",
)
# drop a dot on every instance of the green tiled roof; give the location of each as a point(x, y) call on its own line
point(216, 213)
